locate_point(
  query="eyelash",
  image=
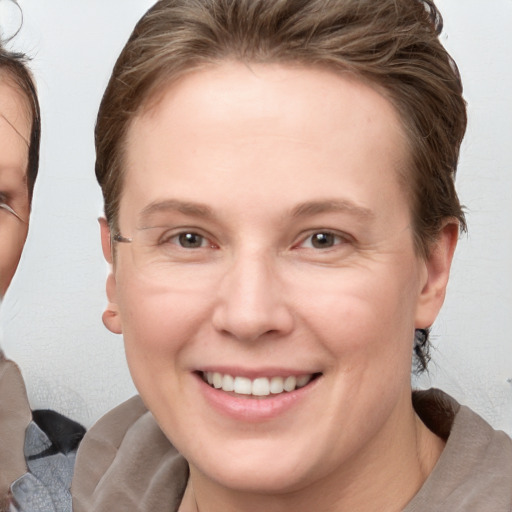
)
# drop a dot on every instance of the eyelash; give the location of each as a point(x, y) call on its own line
point(167, 238)
point(337, 238)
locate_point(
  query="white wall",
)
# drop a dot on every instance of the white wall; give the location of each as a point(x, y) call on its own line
point(51, 316)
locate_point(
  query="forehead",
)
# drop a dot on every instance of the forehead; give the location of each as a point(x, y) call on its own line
point(297, 92)
point(233, 123)
point(14, 107)
point(15, 126)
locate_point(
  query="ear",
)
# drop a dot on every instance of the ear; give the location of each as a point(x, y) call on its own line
point(437, 265)
point(111, 317)
point(106, 244)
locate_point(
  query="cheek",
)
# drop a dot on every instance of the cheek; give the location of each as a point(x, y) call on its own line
point(13, 240)
point(363, 319)
point(367, 328)
point(158, 324)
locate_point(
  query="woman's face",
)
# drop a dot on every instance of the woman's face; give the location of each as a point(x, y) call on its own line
point(14, 134)
point(272, 248)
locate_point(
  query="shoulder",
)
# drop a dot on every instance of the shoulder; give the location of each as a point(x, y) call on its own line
point(474, 471)
point(51, 441)
point(36, 457)
point(15, 416)
point(14, 405)
point(125, 462)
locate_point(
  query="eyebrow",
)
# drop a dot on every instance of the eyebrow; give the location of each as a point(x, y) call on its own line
point(184, 207)
point(302, 210)
point(332, 205)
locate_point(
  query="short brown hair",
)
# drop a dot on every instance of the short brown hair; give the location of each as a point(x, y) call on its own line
point(392, 45)
point(13, 67)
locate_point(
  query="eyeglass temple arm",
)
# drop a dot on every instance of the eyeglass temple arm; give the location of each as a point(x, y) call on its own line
point(120, 238)
point(10, 210)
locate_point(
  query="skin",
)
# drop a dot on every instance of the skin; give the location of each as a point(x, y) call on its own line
point(277, 154)
point(15, 128)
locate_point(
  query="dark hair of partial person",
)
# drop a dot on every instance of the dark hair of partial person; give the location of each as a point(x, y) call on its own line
point(391, 45)
point(13, 68)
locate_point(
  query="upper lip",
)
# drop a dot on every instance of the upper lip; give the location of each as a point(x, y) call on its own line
point(254, 373)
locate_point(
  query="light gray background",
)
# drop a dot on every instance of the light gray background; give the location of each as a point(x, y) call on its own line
point(51, 316)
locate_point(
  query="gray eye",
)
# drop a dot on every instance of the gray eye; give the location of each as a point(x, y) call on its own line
point(323, 240)
point(191, 240)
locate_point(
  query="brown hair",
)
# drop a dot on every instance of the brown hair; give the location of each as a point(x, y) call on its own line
point(390, 44)
point(13, 67)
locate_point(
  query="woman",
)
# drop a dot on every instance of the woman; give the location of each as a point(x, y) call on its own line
point(37, 449)
point(281, 218)
point(19, 131)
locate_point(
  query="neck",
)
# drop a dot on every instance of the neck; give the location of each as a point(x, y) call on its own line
point(384, 478)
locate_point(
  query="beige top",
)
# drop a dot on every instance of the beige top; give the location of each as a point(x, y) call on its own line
point(15, 415)
point(126, 463)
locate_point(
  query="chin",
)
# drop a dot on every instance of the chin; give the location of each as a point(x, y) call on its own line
point(259, 467)
point(256, 477)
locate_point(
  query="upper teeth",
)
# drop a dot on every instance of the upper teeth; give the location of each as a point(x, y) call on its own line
point(261, 386)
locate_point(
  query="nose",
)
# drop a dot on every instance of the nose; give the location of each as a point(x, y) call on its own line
point(251, 302)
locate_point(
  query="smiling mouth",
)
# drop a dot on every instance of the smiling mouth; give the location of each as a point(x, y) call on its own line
point(261, 386)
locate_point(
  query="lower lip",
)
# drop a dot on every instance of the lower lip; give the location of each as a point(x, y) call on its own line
point(254, 409)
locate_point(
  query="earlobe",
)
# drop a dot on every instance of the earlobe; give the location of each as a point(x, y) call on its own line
point(437, 264)
point(111, 318)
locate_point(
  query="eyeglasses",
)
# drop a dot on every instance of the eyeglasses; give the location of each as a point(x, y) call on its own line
point(157, 252)
point(10, 210)
point(192, 256)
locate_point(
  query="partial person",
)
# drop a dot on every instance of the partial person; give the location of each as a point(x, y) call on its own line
point(281, 217)
point(37, 448)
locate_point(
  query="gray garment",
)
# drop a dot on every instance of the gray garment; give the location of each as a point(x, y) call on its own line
point(46, 487)
point(15, 416)
point(474, 472)
point(126, 463)
point(33, 476)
